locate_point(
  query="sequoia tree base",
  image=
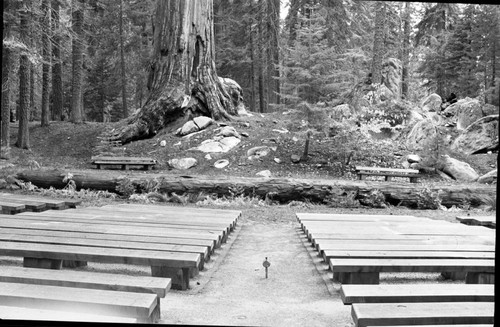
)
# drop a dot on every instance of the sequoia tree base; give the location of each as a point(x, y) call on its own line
point(282, 190)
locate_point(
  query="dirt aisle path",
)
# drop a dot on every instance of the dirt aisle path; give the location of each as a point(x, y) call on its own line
point(234, 291)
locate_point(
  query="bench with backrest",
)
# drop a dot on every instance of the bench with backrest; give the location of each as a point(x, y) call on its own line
point(388, 173)
point(367, 271)
point(66, 281)
point(426, 313)
point(390, 293)
point(123, 162)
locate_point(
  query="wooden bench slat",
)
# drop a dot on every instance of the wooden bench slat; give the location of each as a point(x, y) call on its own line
point(412, 265)
point(396, 170)
point(14, 206)
point(83, 279)
point(328, 254)
point(22, 313)
point(417, 293)
point(100, 254)
point(351, 246)
point(110, 303)
point(422, 313)
point(115, 237)
point(51, 203)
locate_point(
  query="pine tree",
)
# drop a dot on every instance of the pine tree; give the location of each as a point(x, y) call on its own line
point(46, 62)
point(24, 79)
point(76, 115)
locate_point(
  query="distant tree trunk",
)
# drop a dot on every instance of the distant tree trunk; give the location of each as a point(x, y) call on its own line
point(406, 50)
point(6, 69)
point(57, 86)
point(260, 51)
point(253, 69)
point(76, 115)
point(182, 80)
point(274, 76)
point(122, 64)
point(24, 80)
point(378, 43)
point(292, 21)
point(46, 62)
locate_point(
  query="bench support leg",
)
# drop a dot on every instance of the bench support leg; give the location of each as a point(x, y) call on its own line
point(455, 275)
point(388, 178)
point(361, 177)
point(480, 278)
point(42, 263)
point(413, 179)
point(366, 278)
point(155, 315)
point(179, 276)
point(74, 263)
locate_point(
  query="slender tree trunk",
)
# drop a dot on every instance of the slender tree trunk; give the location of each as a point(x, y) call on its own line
point(24, 82)
point(46, 62)
point(260, 49)
point(122, 62)
point(182, 80)
point(253, 69)
point(57, 86)
point(292, 21)
point(378, 43)
point(33, 43)
point(274, 72)
point(76, 115)
point(6, 69)
point(406, 51)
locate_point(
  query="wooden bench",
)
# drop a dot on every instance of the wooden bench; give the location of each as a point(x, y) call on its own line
point(143, 306)
point(11, 208)
point(417, 293)
point(367, 271)
point(487, 221)
point(396, 314)
point(36, 202)
point(124, 162)
point(173, 265)
point(413, 174)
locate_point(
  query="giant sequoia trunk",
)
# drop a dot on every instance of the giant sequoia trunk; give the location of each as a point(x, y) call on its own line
point(182, 79)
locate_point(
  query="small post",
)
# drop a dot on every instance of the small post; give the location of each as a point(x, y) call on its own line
point(266, 265)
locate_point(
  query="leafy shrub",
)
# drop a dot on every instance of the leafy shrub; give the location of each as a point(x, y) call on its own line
point(340, 198)
point(427, 199)
point(375, 199)
point(125, 187)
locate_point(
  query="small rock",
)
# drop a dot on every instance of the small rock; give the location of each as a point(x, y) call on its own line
point(274, 148)
point(182, 164)
point(295, 158)
point(264, 173)
point(488, 178)
point(163, 143)
point(245, 124)
point(208, 156)
point(202, 122)
point(275, 121)
point(228, 131)
point(176, 144)
point(221, 163)
point(459, 170)
point(188, 128)
point(413, 158)
point(259, 151)
point(295, 139)
point(245, 134)
point(277, 160)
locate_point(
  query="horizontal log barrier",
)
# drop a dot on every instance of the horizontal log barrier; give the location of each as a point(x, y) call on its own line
point(278, 189)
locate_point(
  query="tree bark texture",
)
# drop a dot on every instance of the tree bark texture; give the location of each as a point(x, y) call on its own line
point(278, 189)
point(260, 51)
point(24, 83)
point(378, 43)
point(406, 50)
point(57, 86)
point(5, 109)
point(122, 64)
point(76, 114)
point(182, 79)
point(46, 62)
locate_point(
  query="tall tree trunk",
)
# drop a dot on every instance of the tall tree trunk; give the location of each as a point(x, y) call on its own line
point(24, 82)
point(33, 43)
point(46, 62)
point(292, 21)
point(406, 51)
point(76, 115)
point(260, 50)
point(378, 43)
point(182, 80)
point(274, 72)
point(6, 69)
point(122, 64)
point(57, 86)
point(252, 69)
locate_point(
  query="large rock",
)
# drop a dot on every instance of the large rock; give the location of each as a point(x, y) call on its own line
point(431, 103)
point(481, 133)
point(339, 112)
point(422, 138)
point(488, 178)
point(188, 128)
point(218, 146)
point(202, 122)
point(182, 164)
point(468, 112)
point(459, 170)
point(228, 131)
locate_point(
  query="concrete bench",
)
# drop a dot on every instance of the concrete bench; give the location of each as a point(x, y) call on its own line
point(389, 173)
point(124, 162)
point(417, 293)
point(397, 314)
point(141, 306)
point(173, 265)
point(367, 271)
point(487, 221)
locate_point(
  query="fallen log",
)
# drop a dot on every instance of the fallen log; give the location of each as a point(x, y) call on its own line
point(278, 189)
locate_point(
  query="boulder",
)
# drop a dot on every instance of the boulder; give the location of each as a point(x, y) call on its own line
point(431, 103)
point(422, 137)
point(468, 111)
point(481, 133)
point(413, 158)
point(228, 131)
point(215, 146)
point(295, 158)
point(258, 152)
point(488, 178)
point(229, 142)
point(459, 170)
point(339, 112)
point(202, 122)
point(182, 164)
point(264, 173)
point(188, 128)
